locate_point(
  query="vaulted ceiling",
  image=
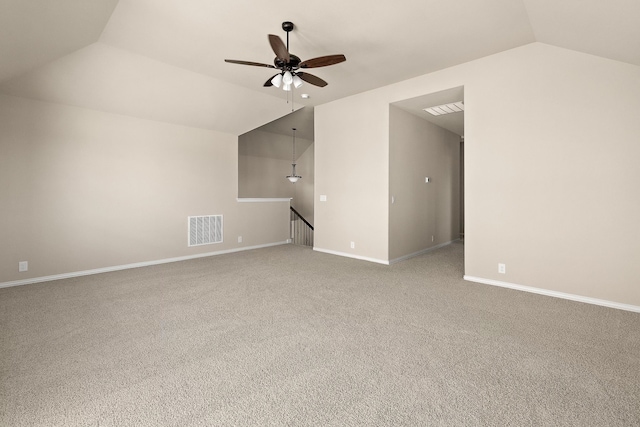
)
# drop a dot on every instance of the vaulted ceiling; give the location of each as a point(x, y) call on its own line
point(163, 60)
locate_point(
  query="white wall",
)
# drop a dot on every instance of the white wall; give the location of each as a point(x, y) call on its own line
point(303, 197)
point(84, 190)
point(551, 149)
point(422, 215)
point(352, 170)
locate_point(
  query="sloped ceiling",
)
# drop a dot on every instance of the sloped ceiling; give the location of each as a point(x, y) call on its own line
point(163, 60)
point(33, 33)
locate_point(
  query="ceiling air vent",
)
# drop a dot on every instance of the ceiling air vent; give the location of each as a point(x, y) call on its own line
point(438, 110)
point(205, 230)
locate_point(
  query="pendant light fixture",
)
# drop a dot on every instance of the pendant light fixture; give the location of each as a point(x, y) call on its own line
point(293, 177)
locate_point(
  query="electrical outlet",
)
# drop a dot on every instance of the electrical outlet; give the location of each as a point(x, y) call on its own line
point(353, 245)
point(23, 266)
point(239, 239)
point(502, 269)
point(432, 238)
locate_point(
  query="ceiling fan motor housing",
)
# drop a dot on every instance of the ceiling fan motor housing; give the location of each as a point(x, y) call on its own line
point(293, 64)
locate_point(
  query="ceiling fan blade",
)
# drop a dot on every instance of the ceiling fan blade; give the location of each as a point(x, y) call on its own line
point(323, 61)
point(255, 64)
point(311, 79)
point(279, 47)
point(268, 82)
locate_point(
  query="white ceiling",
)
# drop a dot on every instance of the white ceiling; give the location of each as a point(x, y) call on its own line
point(163, 60)
point(33, 33)
point(301, 119)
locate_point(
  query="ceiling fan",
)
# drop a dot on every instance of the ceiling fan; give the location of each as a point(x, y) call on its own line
point(290, 65)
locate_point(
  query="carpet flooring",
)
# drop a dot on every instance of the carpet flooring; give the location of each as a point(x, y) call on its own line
point(286, 336)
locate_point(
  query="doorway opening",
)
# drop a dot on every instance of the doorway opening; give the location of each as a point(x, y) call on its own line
point(426, 174)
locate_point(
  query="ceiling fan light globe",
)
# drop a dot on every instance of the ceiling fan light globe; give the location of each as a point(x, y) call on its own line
point(277, 80)
point(287, 78)
point(286, 87)
point(297, 81)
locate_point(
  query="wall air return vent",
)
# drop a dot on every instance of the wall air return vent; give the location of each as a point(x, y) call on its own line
point(205, 230)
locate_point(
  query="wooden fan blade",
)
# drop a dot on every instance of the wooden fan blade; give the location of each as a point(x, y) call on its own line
point(279, 47)
point(323, 61)
point(268, 82)
point(255, 64)
point(310, 78)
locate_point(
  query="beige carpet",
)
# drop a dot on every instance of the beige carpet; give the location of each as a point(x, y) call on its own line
point(286, 336)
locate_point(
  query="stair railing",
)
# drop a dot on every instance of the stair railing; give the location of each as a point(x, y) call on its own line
point(301, 230)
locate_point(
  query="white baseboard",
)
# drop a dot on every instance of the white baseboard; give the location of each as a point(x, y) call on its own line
point(423, 251)
point(134, 265)
point(344, 254)
point(381, 261)
point(555, 294)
